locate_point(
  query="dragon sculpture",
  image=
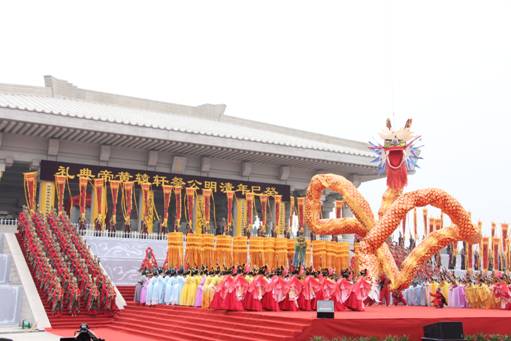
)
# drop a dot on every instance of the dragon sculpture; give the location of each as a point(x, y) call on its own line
point(396, 157)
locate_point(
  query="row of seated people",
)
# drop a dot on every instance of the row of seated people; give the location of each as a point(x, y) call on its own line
point(257, 290)
point(60, 269)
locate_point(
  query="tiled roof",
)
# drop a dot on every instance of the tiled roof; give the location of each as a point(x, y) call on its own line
point(193, 124)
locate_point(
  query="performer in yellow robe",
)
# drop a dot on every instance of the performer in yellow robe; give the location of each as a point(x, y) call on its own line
point(209, 289)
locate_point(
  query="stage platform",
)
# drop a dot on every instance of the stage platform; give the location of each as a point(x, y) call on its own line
point(185, 323)
point(402, 320)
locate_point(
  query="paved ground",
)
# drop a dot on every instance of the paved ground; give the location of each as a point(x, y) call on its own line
point(30, 336)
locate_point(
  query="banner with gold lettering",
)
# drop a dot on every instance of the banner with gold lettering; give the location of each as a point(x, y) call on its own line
point(60, 184)
point(230, 197)
point(114, 194)
point(190, 191)
point(30, 185)
point(177, 196)
point(146, 206)
point(83, 181)
point(338, 208)
point(206, 196)
point(167, 193)
point(469, 265)
point(495, 243)
point(264, 207)
point(127, 203)
point(250, 208)
point(291, 210)
point(504, 228)
point(301, 216)
point(278, 203)
point(46, 197)
point(485, 249)
point(100, 205)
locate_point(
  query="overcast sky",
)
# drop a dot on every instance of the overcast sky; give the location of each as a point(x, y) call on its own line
point(334, 67)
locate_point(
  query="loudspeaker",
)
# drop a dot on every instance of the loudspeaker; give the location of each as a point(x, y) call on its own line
point(67, 339)
point(325, 309)
point(444, 331)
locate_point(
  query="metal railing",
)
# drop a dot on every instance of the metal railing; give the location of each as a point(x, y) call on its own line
point(9, 222)
point(89, 232)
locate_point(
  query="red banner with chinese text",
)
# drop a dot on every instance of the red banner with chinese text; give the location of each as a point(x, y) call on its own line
point(250, 209)
point(206, 196)
point(114, 193)
point(83, 181)
point(338, 208)
point(167, 193)
point(485, 248)
point(301, 215)
point(278, 205)
point(30, 184)
point(60, 184)
point(230, 198)
point(190, 191)
point(177, 196)
point(127, 194)
point(264, 206)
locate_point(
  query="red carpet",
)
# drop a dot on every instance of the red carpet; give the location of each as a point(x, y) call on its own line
point(381, 321)
point(185, 323)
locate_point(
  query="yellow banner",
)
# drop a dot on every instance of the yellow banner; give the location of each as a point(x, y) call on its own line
point(46, 197)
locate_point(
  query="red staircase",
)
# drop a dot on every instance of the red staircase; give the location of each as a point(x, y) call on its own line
point(127, 291)
point(185, 323)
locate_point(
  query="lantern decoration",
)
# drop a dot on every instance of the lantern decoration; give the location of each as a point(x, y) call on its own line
point(167, 193)
point(30, 182)
point(301, 202)
point(60, 184)
point(114, 193)
point(99, 186)
point(177, 196)
point(127, 203)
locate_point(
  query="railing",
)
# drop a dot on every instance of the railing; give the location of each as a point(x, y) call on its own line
point(88, 232)
point(9, 222)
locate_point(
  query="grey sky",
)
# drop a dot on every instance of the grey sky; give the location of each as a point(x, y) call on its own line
point(334, 67)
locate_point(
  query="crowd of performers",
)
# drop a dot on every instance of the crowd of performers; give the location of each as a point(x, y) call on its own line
point(256, 289)
point(62, 265)
point(253, 288)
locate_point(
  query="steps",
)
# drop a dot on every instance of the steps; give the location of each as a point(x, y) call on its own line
point(127, 291)
point(185, 323)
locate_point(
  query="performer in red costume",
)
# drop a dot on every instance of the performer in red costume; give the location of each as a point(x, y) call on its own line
point(255, 292)
point(384, 290)
point(342, 291)
point(439, 300)
point(359, 293)
point(397, 298)
point(269, 302)
point(290, 303)
point(306, 298)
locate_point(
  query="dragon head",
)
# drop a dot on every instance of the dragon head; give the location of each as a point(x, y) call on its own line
point(397, 155)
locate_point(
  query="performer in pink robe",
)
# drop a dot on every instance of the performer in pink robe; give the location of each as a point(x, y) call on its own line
point(359, 293)
point(295, 286)
point(269, 302)
point(254, 296)
point(306, 297)
point(343, 291)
